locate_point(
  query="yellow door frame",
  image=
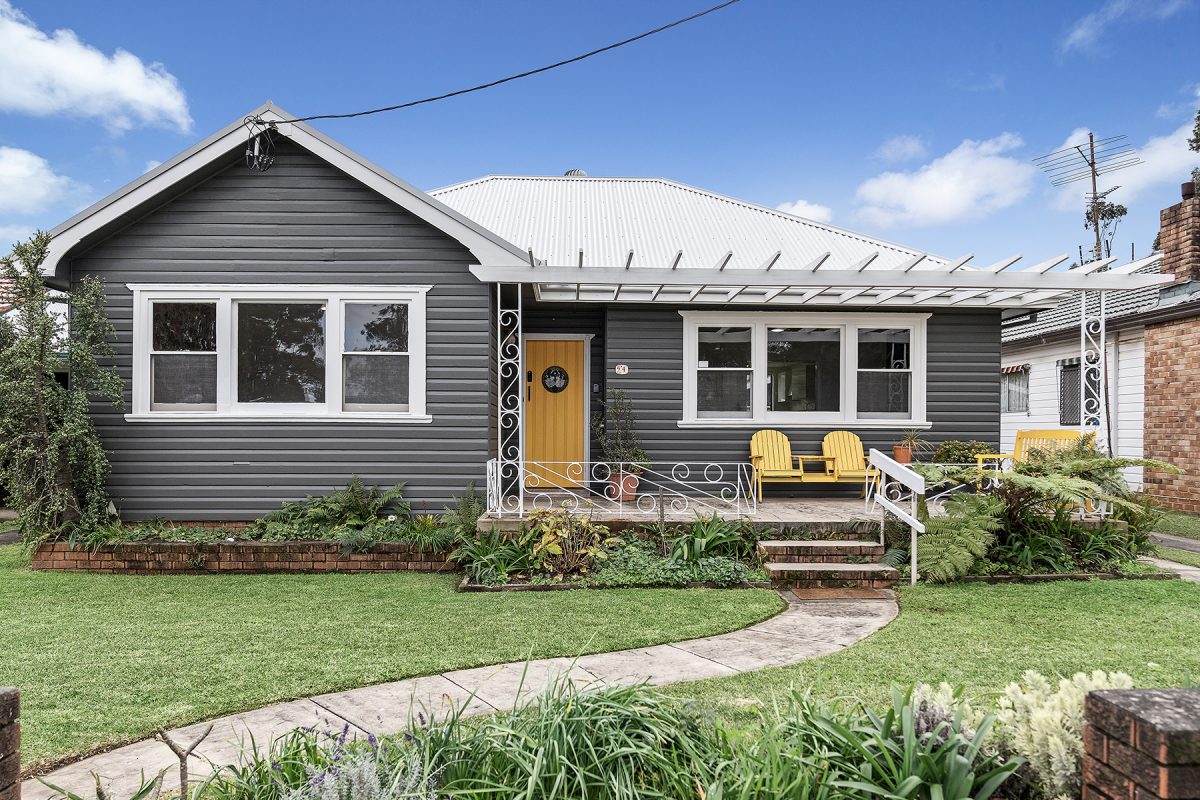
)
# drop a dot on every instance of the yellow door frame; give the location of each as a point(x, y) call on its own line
point(586, 338)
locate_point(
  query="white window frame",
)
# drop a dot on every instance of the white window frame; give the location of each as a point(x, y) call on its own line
point(848, 323)
point(335, 297)
point(1005, 393)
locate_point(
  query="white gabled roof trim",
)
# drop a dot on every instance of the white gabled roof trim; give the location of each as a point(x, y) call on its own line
point(486, 246)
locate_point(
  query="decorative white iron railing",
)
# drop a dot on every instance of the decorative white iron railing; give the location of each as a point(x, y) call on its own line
point(668, 489)
point(898, 490)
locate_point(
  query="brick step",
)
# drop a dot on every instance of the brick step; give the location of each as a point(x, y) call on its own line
point(832, 576)
point(819, 550)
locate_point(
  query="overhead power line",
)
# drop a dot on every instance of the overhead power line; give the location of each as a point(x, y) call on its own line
point(518, 76)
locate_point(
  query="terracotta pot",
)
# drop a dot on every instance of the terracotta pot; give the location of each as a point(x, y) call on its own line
point(623, 486)
point(902, 453)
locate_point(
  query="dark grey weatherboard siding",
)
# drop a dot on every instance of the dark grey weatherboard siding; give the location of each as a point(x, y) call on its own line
point(962, 395)
point(302, 222)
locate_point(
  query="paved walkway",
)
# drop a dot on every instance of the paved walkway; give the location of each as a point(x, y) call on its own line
point(1187, 573)
point(1178, 542)
point(804, 630)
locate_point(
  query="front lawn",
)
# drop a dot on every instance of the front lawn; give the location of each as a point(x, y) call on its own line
point(983, 636)
point(1188, 557)
point(1176, 524)
point(102, 659)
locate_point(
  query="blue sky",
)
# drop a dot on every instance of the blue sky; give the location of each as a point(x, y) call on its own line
point(914, 121)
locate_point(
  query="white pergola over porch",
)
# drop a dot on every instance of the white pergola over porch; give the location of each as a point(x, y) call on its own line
point(822, 284)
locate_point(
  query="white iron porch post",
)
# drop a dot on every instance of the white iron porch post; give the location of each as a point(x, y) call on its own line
point(1093, 378)
point(510, 403)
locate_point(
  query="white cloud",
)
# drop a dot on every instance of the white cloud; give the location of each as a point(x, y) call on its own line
point(56, 73)
point(1090, 28)
point(11, 234)
point(151, 164)
point(988, 82)
point(901, 148)
point(970, 182)
point(803, 208)
point(29, 185)
point(1166, 158)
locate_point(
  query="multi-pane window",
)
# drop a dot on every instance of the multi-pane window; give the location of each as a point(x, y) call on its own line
point(1014, 391)
point(723, 372)
point(884, 373)
point(280, 352)
point(266, 352)
point(375, 357)
point(183, 356)
point(803, 368)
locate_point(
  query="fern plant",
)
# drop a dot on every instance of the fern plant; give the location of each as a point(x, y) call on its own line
point(952, 543)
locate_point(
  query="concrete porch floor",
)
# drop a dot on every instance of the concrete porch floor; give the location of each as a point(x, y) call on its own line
point(816, 513)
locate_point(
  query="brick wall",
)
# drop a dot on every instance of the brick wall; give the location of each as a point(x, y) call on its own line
point(158, 558)
point(10, 744)
point(1172, 377)
point(1171, 426)
point(1141, 744)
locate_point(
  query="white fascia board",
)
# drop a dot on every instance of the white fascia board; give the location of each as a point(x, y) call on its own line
point(484, 245)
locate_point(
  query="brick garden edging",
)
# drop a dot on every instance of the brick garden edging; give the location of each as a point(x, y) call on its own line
point(1141, 744)
point(10, 744)
point(166, 558)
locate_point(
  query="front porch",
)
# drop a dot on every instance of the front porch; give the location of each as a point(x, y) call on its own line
point(841, 515)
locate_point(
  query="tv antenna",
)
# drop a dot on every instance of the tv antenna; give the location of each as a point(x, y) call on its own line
point(1080, 162)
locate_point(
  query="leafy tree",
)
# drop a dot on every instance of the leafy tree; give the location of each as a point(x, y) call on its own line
point(1110, 215)
point(1194, 142)
point(52, 461)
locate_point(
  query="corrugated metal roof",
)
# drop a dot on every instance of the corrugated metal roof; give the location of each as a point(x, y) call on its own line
point(1066, 315)
point(656, 218)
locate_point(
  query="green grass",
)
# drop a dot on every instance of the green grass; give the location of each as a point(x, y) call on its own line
point(982, 637)
point(1176, 524)
point(102, 659)
point(1188, 557)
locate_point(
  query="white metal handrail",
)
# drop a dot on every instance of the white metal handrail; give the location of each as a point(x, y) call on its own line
point(896, 486)
point(675, 488)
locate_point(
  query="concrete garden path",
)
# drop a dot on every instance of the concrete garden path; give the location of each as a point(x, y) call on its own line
point(1186, 572)
point(805, 629)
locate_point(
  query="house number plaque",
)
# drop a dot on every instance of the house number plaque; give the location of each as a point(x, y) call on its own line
point(621, 369)
point(554, 379)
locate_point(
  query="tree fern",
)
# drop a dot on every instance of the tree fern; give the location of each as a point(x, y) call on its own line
point(953, 542)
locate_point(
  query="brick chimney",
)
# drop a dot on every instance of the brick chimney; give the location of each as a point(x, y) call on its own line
point(1179, 236)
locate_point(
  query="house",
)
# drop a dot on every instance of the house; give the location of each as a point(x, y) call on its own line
point(282, 330)
point(1151, 363)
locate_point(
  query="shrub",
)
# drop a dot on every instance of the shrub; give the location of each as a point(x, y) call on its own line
point(461, 520)
point(953, 543)
point(52, 463)
point(632, 742)
point(713, 536)
point(637, 563)
point(565, 544)
point(957, 451)
point(493, 557)
point(1044, 724)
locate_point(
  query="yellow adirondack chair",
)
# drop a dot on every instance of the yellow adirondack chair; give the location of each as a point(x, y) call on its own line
point(772, 460)
point(842, 460)
point(1048, 441)
point(848, 461)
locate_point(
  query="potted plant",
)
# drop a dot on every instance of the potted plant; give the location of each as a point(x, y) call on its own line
point(621, 446)
point(910, 442)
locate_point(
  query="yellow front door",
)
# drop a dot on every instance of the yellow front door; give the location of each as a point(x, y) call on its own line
point(555, 412)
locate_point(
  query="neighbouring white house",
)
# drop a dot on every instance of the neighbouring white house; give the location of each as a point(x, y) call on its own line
point(1040, 368)
point(1152, 355)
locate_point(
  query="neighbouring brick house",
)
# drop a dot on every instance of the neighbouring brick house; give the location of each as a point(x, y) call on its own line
point(1152, 361)
point(1172, 426)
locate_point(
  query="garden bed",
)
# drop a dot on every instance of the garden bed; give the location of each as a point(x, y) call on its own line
point(1043, 577)
point(467, 585)
point(165, 558)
